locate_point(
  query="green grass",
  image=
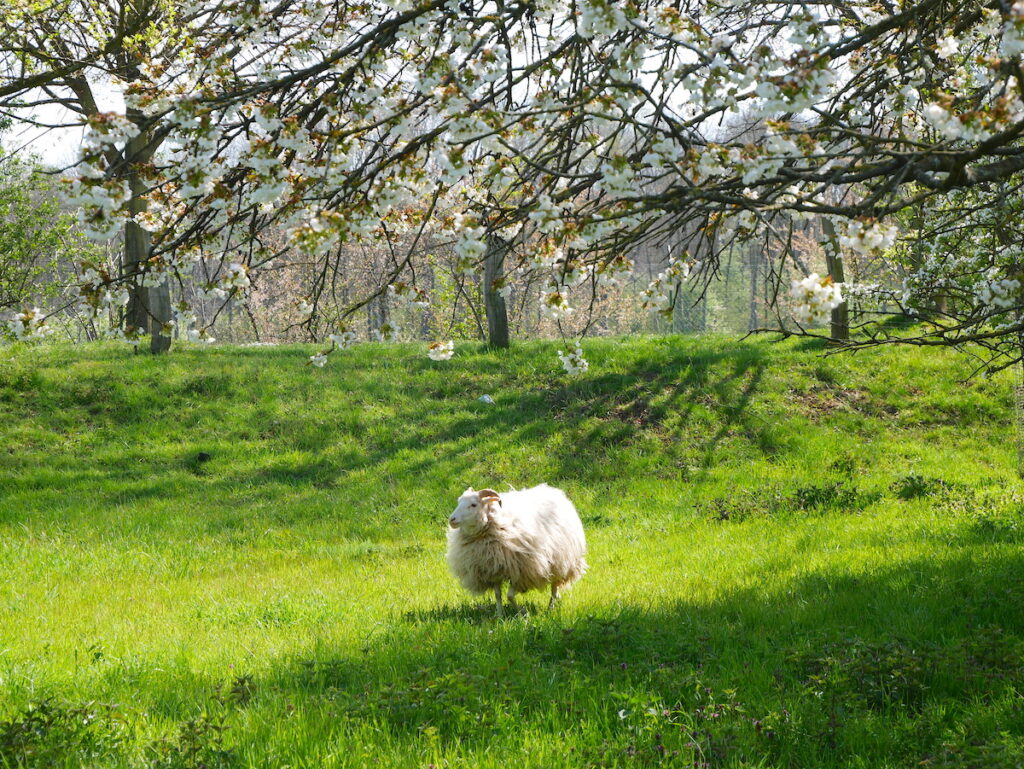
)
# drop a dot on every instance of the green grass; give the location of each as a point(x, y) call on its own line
point(796, 561)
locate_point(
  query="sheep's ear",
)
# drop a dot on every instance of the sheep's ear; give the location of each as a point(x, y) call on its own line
point(489, 504)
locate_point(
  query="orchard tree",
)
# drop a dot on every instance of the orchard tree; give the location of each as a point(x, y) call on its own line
point(573, 132)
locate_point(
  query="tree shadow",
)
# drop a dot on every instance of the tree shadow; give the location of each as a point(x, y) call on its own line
point(886, 668)
point(607, 411)
point(684, 399)
point(901, 644)
point(471, 613)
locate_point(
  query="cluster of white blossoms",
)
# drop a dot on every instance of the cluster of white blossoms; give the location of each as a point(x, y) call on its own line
point(573, 361)
point(453, 166)
point(107, 129)
point(599, 18)
point(503, 286)
point(101, 201)
point(546, 215)
point(440, 350)
point(100, 204)
point(344, 338)
point(866, 236)
point(184, 318)
point(186, 321)
point(659, 296)
point(814, 298)
point(29, 324)
point(517, 125)
point(555, 304)
point(318, 359)
point(471, 244)
point(617, 178)
point(999, 293)
point(947, 47)
point(1012, 41)
point(232, 281)
point(97, 291)
point(386, 332)
point(969, 126)
point(408, 294)
point(235, 277)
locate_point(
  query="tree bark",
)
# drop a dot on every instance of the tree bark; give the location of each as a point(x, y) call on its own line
point(834, 262)
point(494, 302)
point(377, 314)
point(755, 265)
point(149, 307)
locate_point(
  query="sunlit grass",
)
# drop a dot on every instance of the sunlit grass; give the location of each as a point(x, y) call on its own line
point(226, 557)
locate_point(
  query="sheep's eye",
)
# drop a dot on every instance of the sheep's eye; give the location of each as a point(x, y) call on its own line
point(472, 504)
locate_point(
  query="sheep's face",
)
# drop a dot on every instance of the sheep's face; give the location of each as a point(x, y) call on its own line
point(473, 512)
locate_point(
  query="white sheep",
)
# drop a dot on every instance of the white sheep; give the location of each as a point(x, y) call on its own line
point(528, 538)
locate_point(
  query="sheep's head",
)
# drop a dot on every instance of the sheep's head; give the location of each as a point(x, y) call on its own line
point(475, 510)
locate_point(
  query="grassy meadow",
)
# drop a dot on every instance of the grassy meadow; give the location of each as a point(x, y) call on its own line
point(224, 557)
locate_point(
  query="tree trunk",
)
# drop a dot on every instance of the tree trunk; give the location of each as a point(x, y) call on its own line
point(494, 303)
point(755, 264)
point(149, 308)
point(936, 303)
point(834, 262)
point(377, 315)
point(136, 249)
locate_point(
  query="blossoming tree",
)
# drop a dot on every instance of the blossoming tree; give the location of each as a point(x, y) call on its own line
point(571, 131)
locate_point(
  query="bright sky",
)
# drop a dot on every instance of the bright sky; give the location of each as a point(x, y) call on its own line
point(58, 147)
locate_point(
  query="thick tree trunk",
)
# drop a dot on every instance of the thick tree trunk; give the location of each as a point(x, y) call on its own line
point(834, 262)
point(494, 303)
point(149, 308)
point(136, 249)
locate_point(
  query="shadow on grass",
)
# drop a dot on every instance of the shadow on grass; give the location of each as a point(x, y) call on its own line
point(609, 411)
point(917, 665)
point(575, 428)
point(797, 677)
point(478, 612)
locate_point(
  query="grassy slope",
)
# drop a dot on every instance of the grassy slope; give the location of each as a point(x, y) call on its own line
point(796, 561)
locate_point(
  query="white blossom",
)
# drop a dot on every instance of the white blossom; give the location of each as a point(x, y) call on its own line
point(440, 350)
point(555, 304)
point(866, 236)
point(1012, 41)
point(547, 216)
point(29, 324)
point(573, 361)
point(1000, 293)
point(947, 47)
point(343, 338)
point(814, 299)
point(471, 244)
point(386, 332)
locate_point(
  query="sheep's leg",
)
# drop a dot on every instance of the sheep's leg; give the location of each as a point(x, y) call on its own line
point(554, 597)
point(497, 598)
point(512, 598)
